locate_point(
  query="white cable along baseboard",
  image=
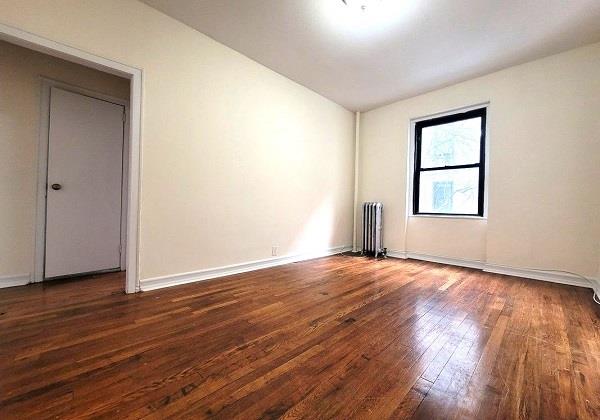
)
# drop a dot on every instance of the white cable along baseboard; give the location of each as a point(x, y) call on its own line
point(211, 273)
point(596, 286)
point(551, 276)
point(15, 280)
point(437, 259)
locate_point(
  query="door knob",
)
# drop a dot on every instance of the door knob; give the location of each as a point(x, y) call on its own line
point(56, 187)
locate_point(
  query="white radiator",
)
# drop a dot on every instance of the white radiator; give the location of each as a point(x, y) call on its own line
point(372, 229)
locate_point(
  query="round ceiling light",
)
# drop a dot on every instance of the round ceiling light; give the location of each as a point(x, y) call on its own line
point(365, 19)
point(359, 4)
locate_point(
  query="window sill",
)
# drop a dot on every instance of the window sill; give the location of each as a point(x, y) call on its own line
point(448, 216)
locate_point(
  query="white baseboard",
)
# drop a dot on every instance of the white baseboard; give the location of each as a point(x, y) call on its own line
point(397, 254)
point(551, 276)
point(596, 286)
point(436, 259)
point(211, 273)
point(446, 260)
point(14, 280)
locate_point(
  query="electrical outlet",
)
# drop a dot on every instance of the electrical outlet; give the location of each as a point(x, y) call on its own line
point(274, 251)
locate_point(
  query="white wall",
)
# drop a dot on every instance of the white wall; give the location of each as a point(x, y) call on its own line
point(20, 91)
point(235, 158)
point(544, 167)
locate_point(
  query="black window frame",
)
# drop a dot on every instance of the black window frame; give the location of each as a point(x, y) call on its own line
point(460, 116)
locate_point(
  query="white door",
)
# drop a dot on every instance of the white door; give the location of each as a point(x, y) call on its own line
point(85, 171)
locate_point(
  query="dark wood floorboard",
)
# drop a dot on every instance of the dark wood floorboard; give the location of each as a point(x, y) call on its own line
point(338, 337)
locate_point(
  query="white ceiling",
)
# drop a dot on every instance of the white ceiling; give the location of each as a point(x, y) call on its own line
point(395, 48)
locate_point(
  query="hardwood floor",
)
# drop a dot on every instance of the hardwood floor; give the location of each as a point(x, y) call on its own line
point(336, 337)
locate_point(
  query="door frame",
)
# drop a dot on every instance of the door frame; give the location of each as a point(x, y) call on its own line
point(135, 75)
point(42, 175)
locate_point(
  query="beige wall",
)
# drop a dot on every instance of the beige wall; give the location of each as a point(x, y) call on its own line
point(20, 90)
point(544, 167)
point(235, 158)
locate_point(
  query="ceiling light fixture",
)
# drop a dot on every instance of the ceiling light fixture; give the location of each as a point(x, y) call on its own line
point(365, 19)
point(359, 4)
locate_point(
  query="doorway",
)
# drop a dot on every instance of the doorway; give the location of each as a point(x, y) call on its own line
point(84, 148)
point(131, 205)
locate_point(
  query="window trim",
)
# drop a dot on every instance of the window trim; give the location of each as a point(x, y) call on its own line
point(477, 112)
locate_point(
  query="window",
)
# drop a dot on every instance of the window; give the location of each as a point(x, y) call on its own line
point(449, 165)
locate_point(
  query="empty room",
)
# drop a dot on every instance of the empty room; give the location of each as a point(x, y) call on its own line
point(300, 209)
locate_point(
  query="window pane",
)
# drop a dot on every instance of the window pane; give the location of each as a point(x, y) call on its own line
point(455, 143)
point(449, 191)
